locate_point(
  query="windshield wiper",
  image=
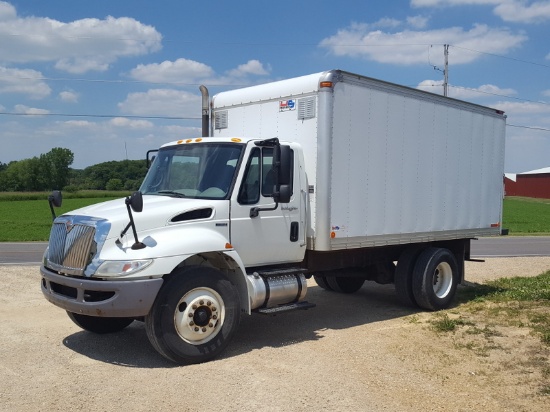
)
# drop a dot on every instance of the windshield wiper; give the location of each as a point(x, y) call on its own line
point(171, 192)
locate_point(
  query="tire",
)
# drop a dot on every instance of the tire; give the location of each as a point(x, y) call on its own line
point(194, 316)
point(322, 282)
point(435, 278)
point(404, 276)
point(98, 324)
point(343, 284)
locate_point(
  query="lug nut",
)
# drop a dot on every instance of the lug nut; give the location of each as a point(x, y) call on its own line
point(191, 314)
point(196, 329)
point(202, 302)
point(214, 317)
point(208, 303)
point(204, 329)
point(214, 309)
point(191, 323)
point(194, 307)
point(210, 325)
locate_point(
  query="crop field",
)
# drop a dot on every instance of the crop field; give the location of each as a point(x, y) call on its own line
point(27, 217)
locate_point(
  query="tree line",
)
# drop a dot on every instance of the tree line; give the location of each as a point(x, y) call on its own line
point(52, 171)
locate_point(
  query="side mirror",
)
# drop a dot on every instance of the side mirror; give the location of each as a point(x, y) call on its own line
point(283, 195)
point(150, 159)
point(55, 199)
point(285, 165)
point(135, 201)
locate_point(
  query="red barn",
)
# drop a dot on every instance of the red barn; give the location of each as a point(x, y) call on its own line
point(535, 183)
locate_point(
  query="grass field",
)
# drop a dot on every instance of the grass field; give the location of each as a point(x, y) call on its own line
point(526, 216)
point(31, 220)
point(27, 217)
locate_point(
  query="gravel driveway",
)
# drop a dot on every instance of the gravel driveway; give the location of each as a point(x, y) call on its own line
point(355, 352)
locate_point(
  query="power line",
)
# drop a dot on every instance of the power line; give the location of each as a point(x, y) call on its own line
point(110, 116)
point(504, 57)
point(100, 116)
point(542, 129)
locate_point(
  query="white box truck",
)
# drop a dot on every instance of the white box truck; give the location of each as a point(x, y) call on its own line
point(334, 176)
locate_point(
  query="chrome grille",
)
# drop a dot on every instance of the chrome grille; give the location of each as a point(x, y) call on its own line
point(71, 247)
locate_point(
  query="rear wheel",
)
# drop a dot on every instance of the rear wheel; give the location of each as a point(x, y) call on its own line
point(322, 282)
point(345, 284)
point(435, 278)
point(98, 324)
point(194, 316)
point(404, 275)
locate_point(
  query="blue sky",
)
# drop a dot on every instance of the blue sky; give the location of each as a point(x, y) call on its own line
point(111, 79)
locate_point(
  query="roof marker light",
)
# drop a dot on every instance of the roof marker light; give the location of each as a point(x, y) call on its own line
point(326, 84)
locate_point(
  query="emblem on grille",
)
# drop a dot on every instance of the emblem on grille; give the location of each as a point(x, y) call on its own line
point(69, 226)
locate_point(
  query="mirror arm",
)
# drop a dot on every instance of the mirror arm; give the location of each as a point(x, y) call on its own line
point(137, 245)
point(255, 211)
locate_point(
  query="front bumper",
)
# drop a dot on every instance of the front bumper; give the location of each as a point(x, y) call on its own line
point(127, 298)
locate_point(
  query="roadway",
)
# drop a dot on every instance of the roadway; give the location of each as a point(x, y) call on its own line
point(30, 253)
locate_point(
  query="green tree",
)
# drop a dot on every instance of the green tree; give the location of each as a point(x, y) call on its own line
point(56, 164)
point(114, 184)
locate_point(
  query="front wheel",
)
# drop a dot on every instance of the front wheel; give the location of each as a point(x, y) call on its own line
point(435, 278)
point(194, 316)
point(98, 324)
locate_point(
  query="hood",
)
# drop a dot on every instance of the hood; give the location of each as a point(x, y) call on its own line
point(158, 211)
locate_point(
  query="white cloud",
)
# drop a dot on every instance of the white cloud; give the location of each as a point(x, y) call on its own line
point(516, 11)
point(546, 93)
point(412, 47)
point(76, 47)
point(523, 108)
point(68, 96)
point(179, 71)
point(184, 71)
point(131, 123)
point(417, 22)
point(7, 11)
point(162, 102)
point(20, 108)
point(465, 93)
point(253, 67)
point(23, 81)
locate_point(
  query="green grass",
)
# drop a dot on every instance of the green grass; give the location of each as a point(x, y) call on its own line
point(518, 301)
point(526, 216)
point(31, 220)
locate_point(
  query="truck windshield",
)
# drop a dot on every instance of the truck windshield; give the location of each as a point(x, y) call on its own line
point(197, 170)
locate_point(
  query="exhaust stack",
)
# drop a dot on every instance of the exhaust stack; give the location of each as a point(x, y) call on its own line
point(205, 110)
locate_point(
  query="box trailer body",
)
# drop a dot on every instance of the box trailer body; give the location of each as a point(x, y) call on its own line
point(334, 176)
point(386, 164)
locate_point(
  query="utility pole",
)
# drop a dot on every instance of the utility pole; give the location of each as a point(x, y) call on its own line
point(446, 69)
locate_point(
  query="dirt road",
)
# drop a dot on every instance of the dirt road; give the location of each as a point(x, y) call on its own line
point(360, 352)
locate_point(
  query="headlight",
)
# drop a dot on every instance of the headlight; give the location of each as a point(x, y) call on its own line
point(114, 268)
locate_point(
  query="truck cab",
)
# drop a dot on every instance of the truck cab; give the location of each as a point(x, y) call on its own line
point(219, 209)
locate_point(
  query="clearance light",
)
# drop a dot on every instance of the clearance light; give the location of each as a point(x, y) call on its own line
point(332, 235)
point(188, 140)
point(228, 246)
point(236, 140)
point(198, 140)
point(179, 142)
point(325, 84)
point(495, 224)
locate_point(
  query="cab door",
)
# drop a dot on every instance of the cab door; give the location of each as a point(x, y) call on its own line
point(273, 236)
